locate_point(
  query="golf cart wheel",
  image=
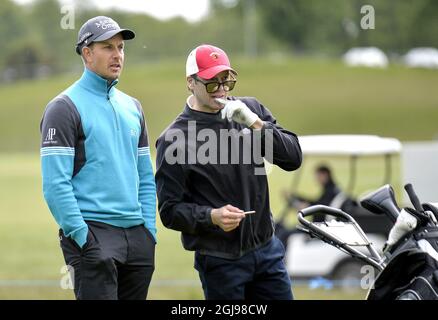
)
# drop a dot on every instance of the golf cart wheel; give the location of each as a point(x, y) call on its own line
point(347, 275)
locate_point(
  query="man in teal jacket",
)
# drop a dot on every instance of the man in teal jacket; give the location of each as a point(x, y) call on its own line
point(98, 179)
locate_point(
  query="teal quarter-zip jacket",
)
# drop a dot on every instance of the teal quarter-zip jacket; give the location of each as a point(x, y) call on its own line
point(95, 159)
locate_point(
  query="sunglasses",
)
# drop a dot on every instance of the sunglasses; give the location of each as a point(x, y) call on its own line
point(213, 86)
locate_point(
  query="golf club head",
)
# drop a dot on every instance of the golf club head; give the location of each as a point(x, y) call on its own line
point(382, 201)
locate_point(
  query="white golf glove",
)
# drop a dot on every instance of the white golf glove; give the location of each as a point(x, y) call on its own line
point(405, 223)
point(236, 110)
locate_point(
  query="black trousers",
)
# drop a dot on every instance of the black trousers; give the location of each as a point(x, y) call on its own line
point(115, 263)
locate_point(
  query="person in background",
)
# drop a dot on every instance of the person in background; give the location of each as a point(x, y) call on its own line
point(331, 195)
point(330, 190)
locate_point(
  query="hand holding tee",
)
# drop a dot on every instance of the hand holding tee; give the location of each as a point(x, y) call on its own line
point(227, 217)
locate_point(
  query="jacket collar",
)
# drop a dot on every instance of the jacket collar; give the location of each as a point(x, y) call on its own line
point(95, 83)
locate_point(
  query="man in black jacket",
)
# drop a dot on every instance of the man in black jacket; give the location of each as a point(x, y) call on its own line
point(211, 176)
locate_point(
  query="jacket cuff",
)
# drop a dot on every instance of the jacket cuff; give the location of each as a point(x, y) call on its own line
point(153, 231)
point(266, 125)
point(208, 218)
point(80, 236)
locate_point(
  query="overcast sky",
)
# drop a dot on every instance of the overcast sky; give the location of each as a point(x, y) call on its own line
point(191, 10)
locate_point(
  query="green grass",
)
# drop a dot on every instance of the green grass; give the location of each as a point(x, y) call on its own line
point(30, 247)
point(169, 293)
point(307, 96)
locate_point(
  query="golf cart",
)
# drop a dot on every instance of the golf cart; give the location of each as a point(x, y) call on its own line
point(301, 249)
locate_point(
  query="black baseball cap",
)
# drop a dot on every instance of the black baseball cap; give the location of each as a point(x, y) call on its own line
point(100, 28)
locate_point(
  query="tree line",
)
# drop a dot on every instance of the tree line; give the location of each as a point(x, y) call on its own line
point(34, 43)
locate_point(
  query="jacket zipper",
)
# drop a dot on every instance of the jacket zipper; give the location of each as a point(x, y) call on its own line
point(112, 107)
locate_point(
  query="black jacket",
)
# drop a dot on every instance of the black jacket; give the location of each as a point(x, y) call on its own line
point(330, 191)
point(189, 187)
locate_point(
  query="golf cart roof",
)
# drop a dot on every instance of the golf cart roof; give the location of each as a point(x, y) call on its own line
point(353, 145)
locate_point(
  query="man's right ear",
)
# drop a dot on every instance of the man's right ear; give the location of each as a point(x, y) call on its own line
point(190, 83)
point(86, 52)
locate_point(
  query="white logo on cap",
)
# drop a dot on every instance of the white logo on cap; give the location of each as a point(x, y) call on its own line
point(214, 55)
point(86, 35)
point(106, 24)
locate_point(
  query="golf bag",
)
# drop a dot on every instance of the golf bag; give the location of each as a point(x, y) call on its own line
point(408, 269)
point(412, 271)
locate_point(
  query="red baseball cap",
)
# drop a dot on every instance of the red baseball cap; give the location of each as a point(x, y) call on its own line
point(206, 61)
